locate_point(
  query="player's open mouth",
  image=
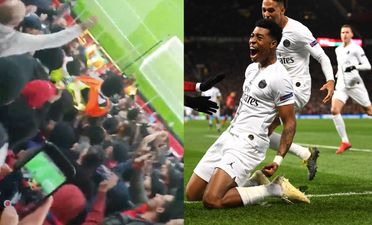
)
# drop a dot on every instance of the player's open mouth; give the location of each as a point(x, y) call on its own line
point(253, 52)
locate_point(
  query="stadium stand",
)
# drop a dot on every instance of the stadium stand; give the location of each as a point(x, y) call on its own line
point(73, 96)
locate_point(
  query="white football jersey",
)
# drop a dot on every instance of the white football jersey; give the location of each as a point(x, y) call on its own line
point(294, 50)
point(264, 89)
point(214, 93)
point(351, 55)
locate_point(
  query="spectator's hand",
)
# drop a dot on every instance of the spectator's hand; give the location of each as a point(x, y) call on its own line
point(330, 87)
point(9, 216)
point(43, 16)
point(89, 23)
point(159, 138)
point(270, 169)
point(4, 170)
point(141, 159)
point(108, 184)
point(201, 104)
point(208, 84)
point(350, 68)
point(37, 217)
point(31, 9)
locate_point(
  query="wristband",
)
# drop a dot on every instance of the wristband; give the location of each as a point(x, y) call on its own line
point(197, 87)
point(278, 159)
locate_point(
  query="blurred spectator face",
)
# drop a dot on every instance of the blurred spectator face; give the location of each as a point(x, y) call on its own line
point(32, 24)
point(32, 31)
point(161, 141)
point(159, 201)
point(12, 12)
point(233, 94)
point(346, 34)
point(272, 10)
point(60, 22)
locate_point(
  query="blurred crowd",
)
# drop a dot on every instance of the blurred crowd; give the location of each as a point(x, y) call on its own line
point(49, 92)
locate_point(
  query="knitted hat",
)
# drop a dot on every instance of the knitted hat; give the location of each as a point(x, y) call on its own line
point(32, 21)
point(38, 92)
point(12, 80)
point(68, 203)
point(62, 135)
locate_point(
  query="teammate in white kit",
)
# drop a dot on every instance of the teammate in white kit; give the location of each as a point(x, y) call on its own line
point(216, 97)
point(220, 177)
point(294, 50)
point(350, 59)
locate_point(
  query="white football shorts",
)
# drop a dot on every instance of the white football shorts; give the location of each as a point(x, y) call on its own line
point(358, 92)
point(237, 156)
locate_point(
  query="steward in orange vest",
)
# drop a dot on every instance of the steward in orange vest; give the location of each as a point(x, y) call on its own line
point(92, 95)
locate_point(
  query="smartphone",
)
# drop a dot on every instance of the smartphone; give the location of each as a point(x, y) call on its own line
point(103, 172)
point(35, 178)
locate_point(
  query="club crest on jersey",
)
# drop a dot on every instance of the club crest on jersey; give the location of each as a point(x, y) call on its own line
point(286, 43)
point(262, 84)
point(312, 44)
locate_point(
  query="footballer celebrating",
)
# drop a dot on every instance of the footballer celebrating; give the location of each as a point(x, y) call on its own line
point(350, 59)
point(220, 177)
point(294, 50)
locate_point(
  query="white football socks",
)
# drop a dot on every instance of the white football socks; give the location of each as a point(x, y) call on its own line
point(295, 149)
point(340, 127)
point(256, 194)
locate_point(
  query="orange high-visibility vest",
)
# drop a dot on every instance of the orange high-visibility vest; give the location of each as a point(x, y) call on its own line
point(92, 107)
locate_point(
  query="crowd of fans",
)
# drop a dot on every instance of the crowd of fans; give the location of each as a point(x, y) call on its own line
point(48, 93)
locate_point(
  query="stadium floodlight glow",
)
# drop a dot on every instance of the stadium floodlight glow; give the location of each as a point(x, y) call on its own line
point(333, 42)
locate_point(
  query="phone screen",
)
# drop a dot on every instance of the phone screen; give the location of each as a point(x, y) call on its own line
point(103, 171)
point(29, 185)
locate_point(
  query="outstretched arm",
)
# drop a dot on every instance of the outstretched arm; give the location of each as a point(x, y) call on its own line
point(318, 53)
point(23, 42)
point(201, 104)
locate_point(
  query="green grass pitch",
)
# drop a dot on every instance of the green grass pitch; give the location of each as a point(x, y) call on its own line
point(345, 173)
point(131, 31)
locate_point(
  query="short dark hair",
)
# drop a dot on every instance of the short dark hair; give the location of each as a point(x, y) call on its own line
point(112, 85)
point(283, 2)
point(111, 125)
point(347, 26)
point(96, 134)
point(274, 30)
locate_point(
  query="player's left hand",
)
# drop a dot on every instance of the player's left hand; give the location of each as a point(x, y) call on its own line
point(330, 87)
point(270, 169)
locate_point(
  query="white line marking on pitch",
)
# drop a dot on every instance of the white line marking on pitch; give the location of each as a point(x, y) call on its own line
point(320, 146)
point(319, 195)
point(340, 194)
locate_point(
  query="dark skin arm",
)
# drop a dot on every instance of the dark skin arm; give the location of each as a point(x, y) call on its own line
point(330, 87)
point(287, 115)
